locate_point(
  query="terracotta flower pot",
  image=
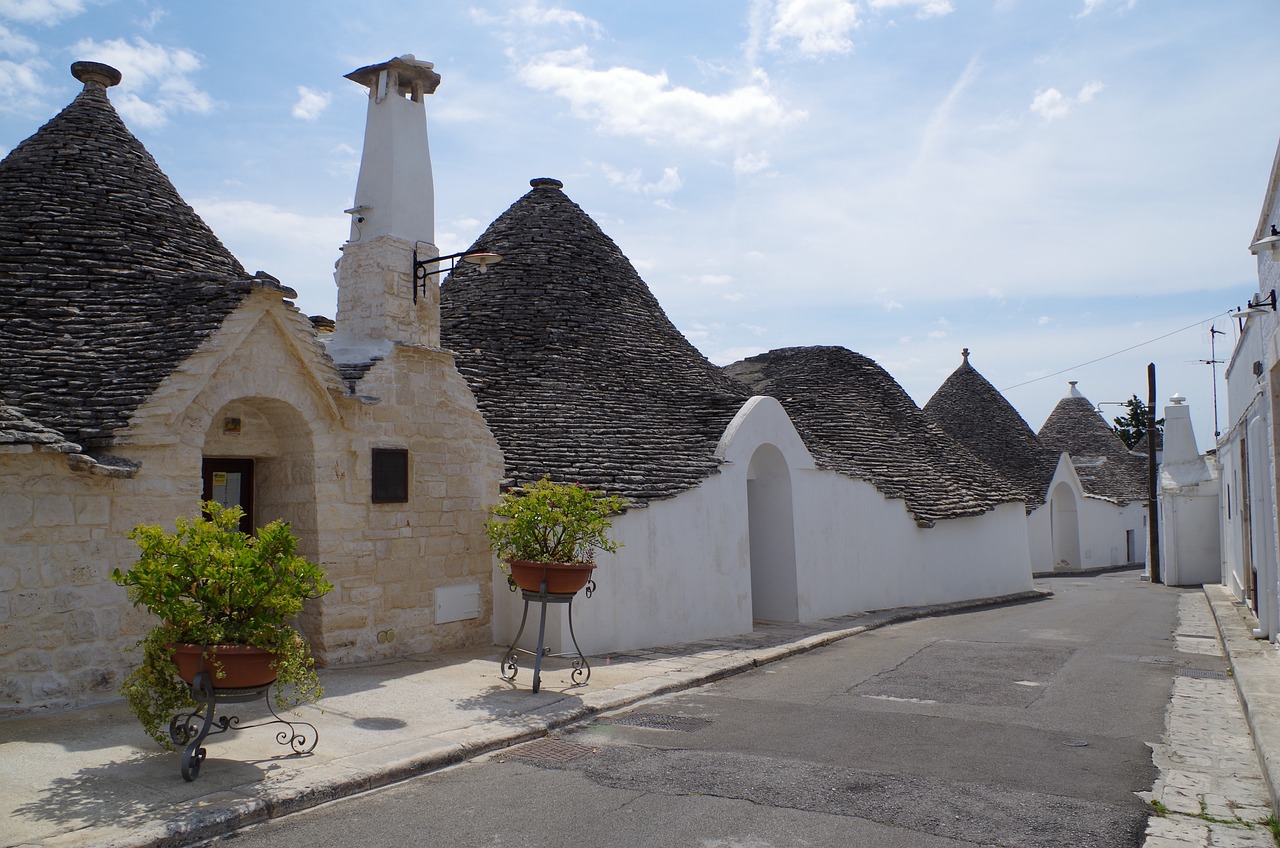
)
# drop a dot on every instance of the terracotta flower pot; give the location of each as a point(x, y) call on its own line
point(563, 578)
point(231, 666)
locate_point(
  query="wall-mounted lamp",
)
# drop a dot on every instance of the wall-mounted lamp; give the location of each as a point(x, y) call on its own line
point(1260, 301)
point(421, 273)
point(1257, 306)
point(1269, 245)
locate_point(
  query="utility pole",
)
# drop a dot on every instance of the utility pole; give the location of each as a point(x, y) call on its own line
point(1213, 362)
point(1153, 504)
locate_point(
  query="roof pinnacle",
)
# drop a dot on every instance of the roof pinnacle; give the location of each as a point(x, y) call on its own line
point(95, 73)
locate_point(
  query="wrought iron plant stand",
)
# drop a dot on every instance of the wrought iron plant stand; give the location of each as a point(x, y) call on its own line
point(581, 668)
point(190, 728)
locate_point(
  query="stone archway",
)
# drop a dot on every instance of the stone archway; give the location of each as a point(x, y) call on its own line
point(771, 532)
point(1064, 524)
point(279, 442)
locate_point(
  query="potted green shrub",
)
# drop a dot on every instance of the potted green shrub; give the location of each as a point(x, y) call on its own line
point(220, 594)
point(547, 533)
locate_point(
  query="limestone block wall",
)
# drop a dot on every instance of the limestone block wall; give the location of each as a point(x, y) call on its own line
point(397, 555)
point(63, 624)
point(65, 627)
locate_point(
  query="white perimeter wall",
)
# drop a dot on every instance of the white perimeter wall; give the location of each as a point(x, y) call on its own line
point(685, 572)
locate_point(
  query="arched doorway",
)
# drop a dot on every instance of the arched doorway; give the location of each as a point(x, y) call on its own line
point(259, 452)
point(771, 533)
point(1064, 524)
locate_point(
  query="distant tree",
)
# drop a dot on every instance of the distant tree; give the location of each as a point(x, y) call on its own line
point(1133, 426)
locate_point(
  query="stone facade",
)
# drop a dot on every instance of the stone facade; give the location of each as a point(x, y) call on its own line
point(175, 366)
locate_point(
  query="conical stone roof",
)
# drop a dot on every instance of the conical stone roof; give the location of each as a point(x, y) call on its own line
point(856, 419)
point(108, 279)
point(576, 368)
point(1104, 465)
point(971, 410)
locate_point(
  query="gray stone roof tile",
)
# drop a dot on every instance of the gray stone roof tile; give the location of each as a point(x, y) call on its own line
point(576, 368)
point(856, 419)
point(108, 279)
point(1105, 466)
point(970, 410)
point(17, 429)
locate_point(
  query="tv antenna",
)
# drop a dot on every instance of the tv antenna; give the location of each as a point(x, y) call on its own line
point(1213, 362)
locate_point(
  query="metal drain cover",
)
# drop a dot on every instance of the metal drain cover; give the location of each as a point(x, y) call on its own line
point(1203, 674)
point(549, 750)
point(658, 721)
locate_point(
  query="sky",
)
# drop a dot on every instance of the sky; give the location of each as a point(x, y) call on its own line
point(1068, 188)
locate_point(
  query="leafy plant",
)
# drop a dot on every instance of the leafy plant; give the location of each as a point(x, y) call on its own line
point(210, 584)
point(552, 522)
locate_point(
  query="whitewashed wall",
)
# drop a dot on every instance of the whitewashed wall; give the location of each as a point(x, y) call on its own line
point(686, 571)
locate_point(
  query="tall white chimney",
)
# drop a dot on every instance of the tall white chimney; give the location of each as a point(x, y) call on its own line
point(392, 217)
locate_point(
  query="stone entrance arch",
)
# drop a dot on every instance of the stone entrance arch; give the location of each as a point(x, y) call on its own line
point(278, 440)
point(771, 534)
point(1064, 527)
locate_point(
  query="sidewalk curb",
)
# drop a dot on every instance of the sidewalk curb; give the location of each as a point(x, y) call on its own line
point(1254, 666)
point(455, 746)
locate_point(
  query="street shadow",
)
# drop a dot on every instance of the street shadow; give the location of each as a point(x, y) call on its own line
point(145, 789)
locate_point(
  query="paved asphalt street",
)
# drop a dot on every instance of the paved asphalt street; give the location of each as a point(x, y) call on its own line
point(1023, 725)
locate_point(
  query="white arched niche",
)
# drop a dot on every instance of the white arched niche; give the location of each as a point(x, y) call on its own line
point(771, 536)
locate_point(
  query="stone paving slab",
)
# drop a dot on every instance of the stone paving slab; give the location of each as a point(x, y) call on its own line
point(1211, 787)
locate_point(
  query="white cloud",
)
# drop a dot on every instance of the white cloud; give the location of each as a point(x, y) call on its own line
point(13, 44)
point(153, 18)
point(47, 12)
point(715, 279)
point(817, 27)
point(156, 79)
point(311, 103)
point(734, 354)
point(937, 334)
point(281, 242)
point(628, 102)
point(1043, 320)
point(941, 117)
point(750, 163)
point(533, 13)
point(890, 305)
point(633, 180)
point(21, 85)
point(1091, 6)
point(924, 8)
point(1051, 104)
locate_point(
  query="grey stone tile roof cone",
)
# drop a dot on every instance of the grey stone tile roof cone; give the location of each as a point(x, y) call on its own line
point(108, 279)
point(856, 419)
point(1104, 464)
point(974, 413)
point(578, 371)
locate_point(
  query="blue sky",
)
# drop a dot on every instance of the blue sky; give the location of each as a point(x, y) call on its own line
point(1044, 182)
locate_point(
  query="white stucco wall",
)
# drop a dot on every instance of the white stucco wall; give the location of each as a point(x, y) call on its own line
point(686, 570)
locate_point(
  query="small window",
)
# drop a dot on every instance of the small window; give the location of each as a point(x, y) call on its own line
point(390, 475)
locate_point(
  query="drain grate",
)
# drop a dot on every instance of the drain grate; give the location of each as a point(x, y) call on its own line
point(1203, 674)
point(549, 750)
point(658, 721)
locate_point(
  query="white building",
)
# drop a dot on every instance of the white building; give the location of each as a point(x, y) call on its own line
point(1247, 448)
point(798, 485)
point(1100, 520)
point(1190, 550)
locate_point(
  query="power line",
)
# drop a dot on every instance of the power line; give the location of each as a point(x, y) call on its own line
point(1118, 352)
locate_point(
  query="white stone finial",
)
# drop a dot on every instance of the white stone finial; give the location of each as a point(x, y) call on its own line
point(1073, 391)
point(1178, 399)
